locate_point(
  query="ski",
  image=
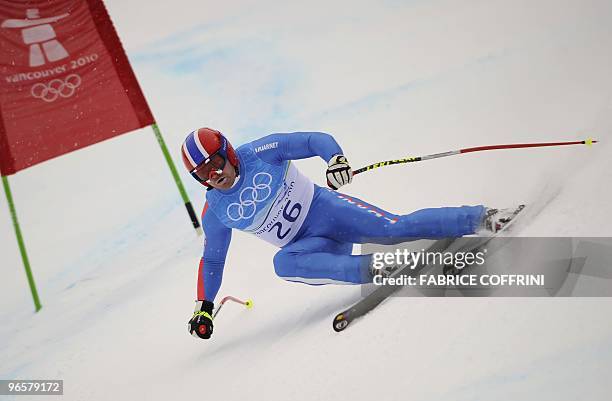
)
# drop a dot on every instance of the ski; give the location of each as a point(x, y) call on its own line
point(343, 319)
point(371, 301)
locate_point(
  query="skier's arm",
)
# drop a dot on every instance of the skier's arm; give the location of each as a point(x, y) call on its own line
point(277, 148)
point(210, 274)
point(216, 244)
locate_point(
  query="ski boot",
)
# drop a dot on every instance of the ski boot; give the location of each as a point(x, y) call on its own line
point(384, 272)
point(496, 220)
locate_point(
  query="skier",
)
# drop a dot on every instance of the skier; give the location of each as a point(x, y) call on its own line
point(257, 189)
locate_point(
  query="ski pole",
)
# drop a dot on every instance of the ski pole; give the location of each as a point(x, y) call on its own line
point(248, 303)
point(588, 142)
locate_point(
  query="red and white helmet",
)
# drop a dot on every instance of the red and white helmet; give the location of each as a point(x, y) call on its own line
point(201, 145)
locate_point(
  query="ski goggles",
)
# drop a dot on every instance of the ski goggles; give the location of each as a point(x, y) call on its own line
point(204, 171)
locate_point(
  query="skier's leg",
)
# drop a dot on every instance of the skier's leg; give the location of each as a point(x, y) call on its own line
point(349, 219)
point(318, 260)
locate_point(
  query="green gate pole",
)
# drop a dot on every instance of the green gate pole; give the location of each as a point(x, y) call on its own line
point(22, 249)
point(177, 179)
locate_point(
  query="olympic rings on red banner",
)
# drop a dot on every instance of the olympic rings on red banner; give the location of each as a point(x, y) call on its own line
point(56, 88)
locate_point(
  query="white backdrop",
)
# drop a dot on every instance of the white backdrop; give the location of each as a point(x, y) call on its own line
point(115, 258)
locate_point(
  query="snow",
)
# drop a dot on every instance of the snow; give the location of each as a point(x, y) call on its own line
point(115, 257)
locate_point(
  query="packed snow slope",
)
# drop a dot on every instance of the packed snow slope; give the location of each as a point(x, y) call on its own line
point(115, 258)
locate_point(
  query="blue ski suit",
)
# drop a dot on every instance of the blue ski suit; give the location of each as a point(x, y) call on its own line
point(315, 227)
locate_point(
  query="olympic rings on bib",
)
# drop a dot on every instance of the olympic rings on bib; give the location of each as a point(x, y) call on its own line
point(56, 88)
point(249, 197)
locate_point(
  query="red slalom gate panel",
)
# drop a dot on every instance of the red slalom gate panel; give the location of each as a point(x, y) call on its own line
point(65, 81)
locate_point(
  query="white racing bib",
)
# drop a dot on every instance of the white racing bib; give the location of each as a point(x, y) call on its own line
point(285, 214)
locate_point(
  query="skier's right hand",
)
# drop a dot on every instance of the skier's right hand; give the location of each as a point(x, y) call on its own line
point(201, 324)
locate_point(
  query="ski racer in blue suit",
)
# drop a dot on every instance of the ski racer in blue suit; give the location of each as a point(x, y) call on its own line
point(257, 189)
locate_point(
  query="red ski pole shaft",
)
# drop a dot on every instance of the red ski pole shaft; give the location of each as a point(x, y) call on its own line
point(470, 150)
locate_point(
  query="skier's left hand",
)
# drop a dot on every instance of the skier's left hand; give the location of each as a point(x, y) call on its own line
point(201, 324)
point(339, 172)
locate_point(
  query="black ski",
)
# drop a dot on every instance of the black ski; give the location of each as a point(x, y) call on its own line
point(343, 319)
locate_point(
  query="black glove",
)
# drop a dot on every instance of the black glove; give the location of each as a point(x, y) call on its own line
point(338, 172)
point(201, 324)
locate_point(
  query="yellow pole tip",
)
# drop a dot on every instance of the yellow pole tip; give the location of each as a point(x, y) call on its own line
point(249, 303)
point(589, 142)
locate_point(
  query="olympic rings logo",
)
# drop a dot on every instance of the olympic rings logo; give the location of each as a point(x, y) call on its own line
point(56, 88)
point(250, 196)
